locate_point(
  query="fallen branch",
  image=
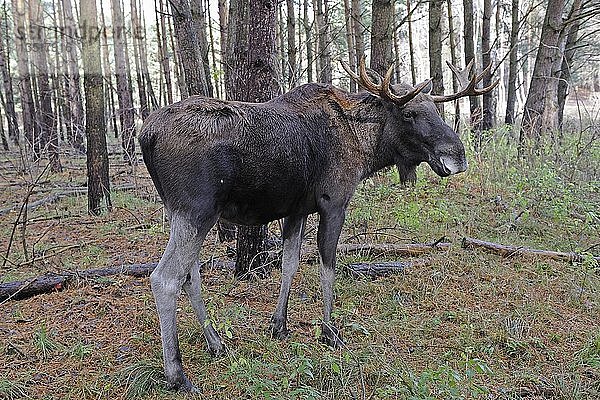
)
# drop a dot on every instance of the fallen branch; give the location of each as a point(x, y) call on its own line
point(389, 249)
point(509, 251)
point(54, 282)
point(376, 270)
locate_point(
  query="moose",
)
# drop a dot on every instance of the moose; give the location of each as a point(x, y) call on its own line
point(303, 152)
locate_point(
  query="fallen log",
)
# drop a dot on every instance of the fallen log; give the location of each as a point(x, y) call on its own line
point(509, 251)
point(54, 282)
point(377, 270)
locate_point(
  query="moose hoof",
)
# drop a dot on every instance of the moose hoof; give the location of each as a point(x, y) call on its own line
point(181, 384)
point(331, 336)
point(278, 329)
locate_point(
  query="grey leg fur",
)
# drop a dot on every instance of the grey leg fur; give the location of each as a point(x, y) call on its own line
point(330, 227)
point(292, 241)
point(167, 280)
point(192, 288)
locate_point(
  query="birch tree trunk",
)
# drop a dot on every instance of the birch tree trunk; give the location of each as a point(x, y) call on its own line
point(9, 101)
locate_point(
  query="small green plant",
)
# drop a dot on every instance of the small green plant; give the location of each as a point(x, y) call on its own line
point(43, 341)
point(10, 390)
point(142, 378)
point(589, 355)
point(80, 350)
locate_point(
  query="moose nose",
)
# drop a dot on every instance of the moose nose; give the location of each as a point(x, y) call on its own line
point(454, 165)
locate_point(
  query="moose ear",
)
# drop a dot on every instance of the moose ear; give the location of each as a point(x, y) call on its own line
point(427, 89)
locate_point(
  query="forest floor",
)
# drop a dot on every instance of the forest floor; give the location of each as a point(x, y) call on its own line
point(469, 324)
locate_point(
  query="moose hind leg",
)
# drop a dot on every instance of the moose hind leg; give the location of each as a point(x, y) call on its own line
point(330, 227)
point(192, 288)
point(292, 240)
point(167, 280)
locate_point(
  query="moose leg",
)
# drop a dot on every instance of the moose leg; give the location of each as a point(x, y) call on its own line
point(192, 288)
point(330, 227)
point(167, 280)
point(292, 240)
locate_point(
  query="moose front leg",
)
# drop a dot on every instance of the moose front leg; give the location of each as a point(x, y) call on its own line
point(292, 240)
point(330, 226)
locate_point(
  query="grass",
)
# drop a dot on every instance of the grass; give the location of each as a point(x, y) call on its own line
point(468, 325)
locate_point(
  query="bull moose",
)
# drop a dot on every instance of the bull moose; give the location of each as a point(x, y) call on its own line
point(303, 152)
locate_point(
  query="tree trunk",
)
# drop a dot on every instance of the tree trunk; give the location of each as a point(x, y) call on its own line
point(144, 62)
point(30, 129)
point(511, 97)
point(251, 77)
point(97, 154)
point(9, 101)
point(163, 52)
point(75, 100)
point(213, 54)
point(199, 20)
point(109, 98)
point(411, 46)
point(469, 35)
point(540, 114)
point(486, 59)
point(381, 35)
point(39, 54)
point(2, 132)
point(321, 9)
point(223, 20)
point(350, 42)
point(567, 63)
point(359, 30)
point(309, 43)
point(124, 91)
point(291, 44)
point(280, 41)
point(455, 61)
point(435, 49)
point(137, 34)
point(188, 52)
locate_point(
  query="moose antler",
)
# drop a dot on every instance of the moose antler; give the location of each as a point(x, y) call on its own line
point(468, 82)
point(382, 90)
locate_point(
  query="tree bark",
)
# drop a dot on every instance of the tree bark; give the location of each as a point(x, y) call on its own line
point(97, 153)
point(30, 129)
point(137, 34)
point(512, 64)
point(164, 51)
point(411, 46)
point(455, 61)
point(321, 8)
point(382, 17)
point(9, 100)
point(291, 44)
point(46, 115)
point(309, 42)
point(188, 45)
point(469, 35)
point(359, 30)
point(435, 49)
point(75, 99)
point(350, 41)
point(251, 76)
point(567, 63)
point(540, 114)
point(109, 97)
point(199, 20)
point(486, 59)
point(124, 90)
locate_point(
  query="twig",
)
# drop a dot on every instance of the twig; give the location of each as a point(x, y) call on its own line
point(47, 256)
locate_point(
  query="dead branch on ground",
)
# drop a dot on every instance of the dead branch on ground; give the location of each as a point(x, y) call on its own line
point(509, 251)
